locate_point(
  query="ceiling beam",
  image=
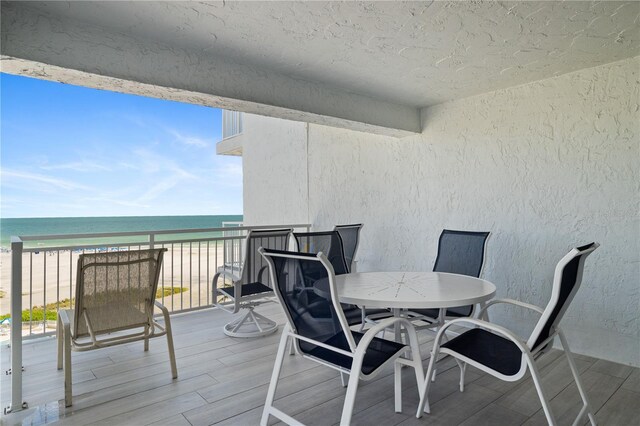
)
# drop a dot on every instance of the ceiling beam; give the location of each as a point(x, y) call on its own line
point(40, 45)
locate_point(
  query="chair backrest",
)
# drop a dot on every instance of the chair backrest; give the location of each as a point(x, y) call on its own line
point(116, 290)
point(350, 235)
point(254, 266)
point(461, 252)
point(327, 242)
point(566, 281)
point(292, 271)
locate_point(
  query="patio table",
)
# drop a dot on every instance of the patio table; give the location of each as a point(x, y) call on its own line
point(410, 290)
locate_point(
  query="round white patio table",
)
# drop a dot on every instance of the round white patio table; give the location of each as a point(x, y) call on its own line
point(410, 290)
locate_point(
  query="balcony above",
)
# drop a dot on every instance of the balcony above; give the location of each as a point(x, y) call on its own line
point(231, 143)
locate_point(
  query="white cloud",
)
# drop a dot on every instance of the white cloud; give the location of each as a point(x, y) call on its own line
point(228, 174)
point(165, 185)
point(230, 170)
point(189, 140)
point(159, 188)
point(166, 174)
point(16, 178)
point(125, 203)
point(78, 166)
point(152, 162)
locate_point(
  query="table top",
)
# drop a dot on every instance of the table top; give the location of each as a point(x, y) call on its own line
point(413, 290)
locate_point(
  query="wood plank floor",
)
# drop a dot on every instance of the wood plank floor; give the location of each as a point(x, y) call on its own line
point(224, 381)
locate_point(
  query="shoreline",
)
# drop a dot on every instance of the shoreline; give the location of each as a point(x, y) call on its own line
point(143, 226)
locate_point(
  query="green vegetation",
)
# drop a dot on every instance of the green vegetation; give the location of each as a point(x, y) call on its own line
point(37, 313)
point(168, 291)
point(2, 294)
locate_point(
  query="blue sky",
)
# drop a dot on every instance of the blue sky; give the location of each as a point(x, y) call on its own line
point(73, 151)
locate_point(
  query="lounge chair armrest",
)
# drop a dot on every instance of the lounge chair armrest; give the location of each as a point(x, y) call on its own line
point(161, 306)
point(510, 302)
point(165, 315)
point(64, 319)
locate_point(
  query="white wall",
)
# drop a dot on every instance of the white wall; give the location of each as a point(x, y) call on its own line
point(274, 163)
point(543, 166)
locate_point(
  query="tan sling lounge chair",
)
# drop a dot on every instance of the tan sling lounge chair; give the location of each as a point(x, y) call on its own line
point(115, 298)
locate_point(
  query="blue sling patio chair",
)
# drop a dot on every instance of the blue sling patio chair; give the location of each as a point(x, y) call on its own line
point(501, 353)
point(350, 235)
point(459, 252)
point(330, 341)
point(341, 255)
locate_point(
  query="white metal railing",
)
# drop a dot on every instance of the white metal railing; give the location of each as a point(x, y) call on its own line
point(231, 123)
point(43, 275)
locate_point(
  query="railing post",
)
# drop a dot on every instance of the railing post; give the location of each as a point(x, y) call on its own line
point(16, 327)
point(152, 240)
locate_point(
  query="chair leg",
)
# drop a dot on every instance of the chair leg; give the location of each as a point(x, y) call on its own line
point(273, 385)
point(262, 325)
point(352, 389)
point(363, 318)
point(463, 368)
point(343, 379)
point(59, 337)
point(423, 406)
point(172, 353)
point(146, 339)
point(257, 318)
point(67, 367)
point(416, 363)
point(586, 408)
point(397, 386)
point(543, 398)
point(435, 367)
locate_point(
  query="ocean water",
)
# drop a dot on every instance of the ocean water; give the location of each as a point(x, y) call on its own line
point(85, 225)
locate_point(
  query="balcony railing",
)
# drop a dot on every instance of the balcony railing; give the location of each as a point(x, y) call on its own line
point(231, 123)
point(43, 270)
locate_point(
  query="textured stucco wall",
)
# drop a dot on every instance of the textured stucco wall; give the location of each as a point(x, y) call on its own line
point(274, 162)
point(543, 166)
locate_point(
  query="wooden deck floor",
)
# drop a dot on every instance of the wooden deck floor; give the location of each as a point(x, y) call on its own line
point(224, 381)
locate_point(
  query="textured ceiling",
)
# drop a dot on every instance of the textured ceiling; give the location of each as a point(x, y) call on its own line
point(415, 53)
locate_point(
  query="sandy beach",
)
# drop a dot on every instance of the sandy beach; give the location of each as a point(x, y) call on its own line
point(50, 276)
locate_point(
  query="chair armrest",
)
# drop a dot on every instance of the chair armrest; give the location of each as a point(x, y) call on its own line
point(224, 274)
point(161, 306)
point(167, 322)
point(505, 332)
point(382, 325)
point(238, 292)
point(510, 302)
point(361, 347)
point(64, 318)
point(261, 271)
